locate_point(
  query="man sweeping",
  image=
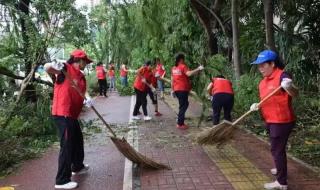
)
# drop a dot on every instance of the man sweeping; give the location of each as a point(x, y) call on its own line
point(276, 111)
point(66, 107)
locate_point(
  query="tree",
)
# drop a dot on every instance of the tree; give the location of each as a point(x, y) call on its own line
point(235, 39)
point(268, 8)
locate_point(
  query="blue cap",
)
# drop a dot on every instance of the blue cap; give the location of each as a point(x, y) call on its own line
point(265, 56)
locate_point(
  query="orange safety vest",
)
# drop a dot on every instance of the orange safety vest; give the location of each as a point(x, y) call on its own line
point(221, 85)
point(66, 100)
point(100, 72)
point(138, 84)
point(181, 81)
point(278, 108)
point(159, 70)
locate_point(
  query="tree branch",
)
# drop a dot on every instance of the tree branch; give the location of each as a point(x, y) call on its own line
point(214, 15)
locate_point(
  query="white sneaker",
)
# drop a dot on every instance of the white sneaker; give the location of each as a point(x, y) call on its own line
point(274, 171)
point(82, 171)
point(147, 118)
point(275, 185)
point(70, 185)
point(135, 117)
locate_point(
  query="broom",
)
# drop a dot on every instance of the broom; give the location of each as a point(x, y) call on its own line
point(220, 134)
point(122, 145)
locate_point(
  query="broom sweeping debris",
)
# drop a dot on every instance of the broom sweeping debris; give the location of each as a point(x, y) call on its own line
point(220, 134)
point(122, 145)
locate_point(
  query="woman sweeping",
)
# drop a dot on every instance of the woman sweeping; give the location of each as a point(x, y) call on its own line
point(181, 86)
point(66, 107)
point(222, 97)
point(276, 111)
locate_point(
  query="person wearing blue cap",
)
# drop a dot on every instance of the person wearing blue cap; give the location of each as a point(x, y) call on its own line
point(276, 111)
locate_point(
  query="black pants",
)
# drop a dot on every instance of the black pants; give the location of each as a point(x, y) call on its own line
point(183, 105)
point(153, 96)
point(71, 154)
point(279, 134)
point(141, 100)
point(219, 101)
point(102, 87)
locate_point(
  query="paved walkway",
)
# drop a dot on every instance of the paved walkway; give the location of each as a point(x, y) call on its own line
point(242, 165)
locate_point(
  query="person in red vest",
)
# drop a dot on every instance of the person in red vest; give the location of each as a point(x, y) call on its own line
point(140, 87)
point(112, 78)
point(124, 75)
point(277, 112)
point(66, 107)
point(159, 74)
point(152, 91)
point(222, 97)
point(101, 75)
point(181, 86)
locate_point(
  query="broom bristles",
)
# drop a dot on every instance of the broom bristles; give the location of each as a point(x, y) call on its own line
point(217, 135)
point(125, 148)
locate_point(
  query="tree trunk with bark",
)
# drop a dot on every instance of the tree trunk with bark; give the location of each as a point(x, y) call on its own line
point(235, 38)
point(268, 7)
point(23, 8)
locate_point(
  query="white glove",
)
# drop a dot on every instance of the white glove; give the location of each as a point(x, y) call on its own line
point(88, 102)
point(200, 68)
point(286, 83)
point(173, 95)
point(254, 107)
point(143, 80)
point(153, 90)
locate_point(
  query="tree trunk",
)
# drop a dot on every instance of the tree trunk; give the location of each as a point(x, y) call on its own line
point(23, 8)
point(235, 39)
point(268, 14)
point(206, 20)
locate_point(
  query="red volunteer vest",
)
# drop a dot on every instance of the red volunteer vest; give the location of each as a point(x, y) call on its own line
point(138, 84)
point(100, 73)
point(66, 100)
point(123, 73)
point(181, 81)
point(159, 69)
point(277, 109)
point(221, 85)
point(111, 73)
point(153, 79)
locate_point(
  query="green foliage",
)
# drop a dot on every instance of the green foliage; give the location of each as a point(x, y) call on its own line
point(28, 133)
point(92, 83)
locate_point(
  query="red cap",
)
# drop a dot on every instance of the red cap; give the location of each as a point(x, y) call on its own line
point(78, 53)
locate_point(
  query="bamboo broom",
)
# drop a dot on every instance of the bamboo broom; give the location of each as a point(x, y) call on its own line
point(220, 134)
point(122, 145)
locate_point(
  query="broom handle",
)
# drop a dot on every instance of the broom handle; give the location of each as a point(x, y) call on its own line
point(92, 107)
point(263, 100)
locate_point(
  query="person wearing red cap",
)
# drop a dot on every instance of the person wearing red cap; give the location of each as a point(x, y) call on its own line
point(222, 97)
point(101, 75)
point(181, 86)
point(66, 107)
point(277, 112)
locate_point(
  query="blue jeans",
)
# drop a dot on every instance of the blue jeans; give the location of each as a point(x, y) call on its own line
point(112, 81)
point(160, 85)
point(124, 81)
